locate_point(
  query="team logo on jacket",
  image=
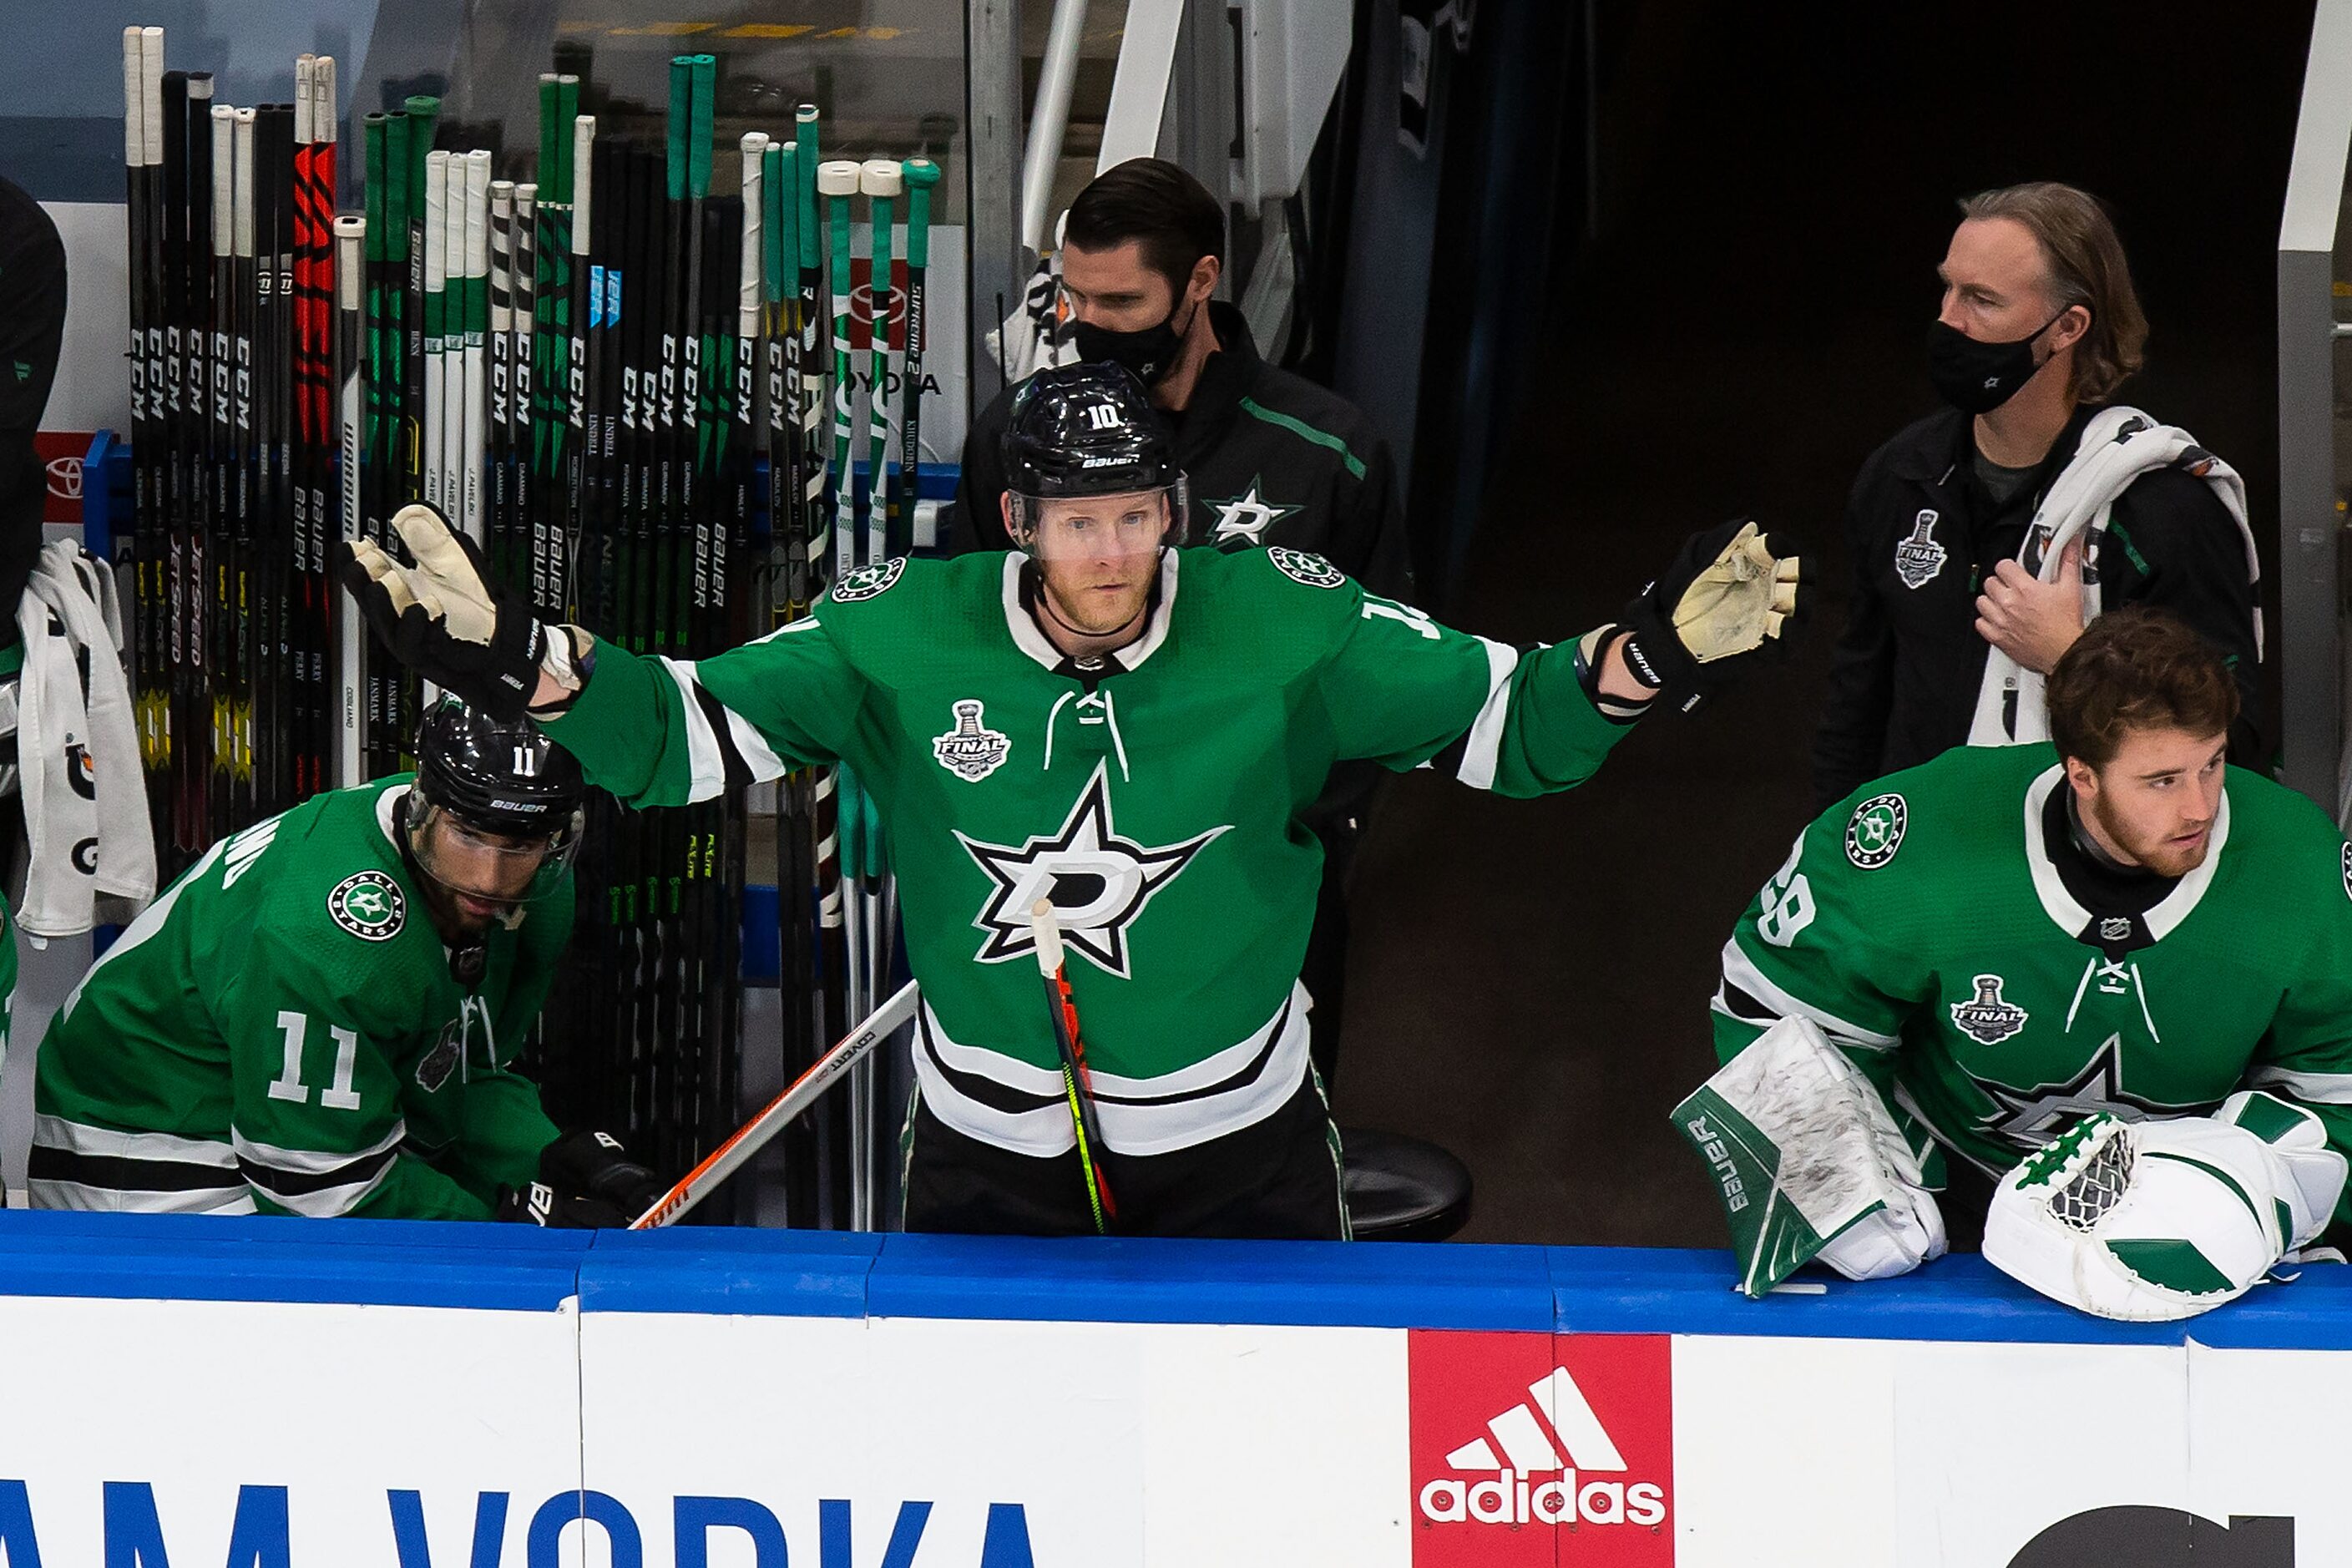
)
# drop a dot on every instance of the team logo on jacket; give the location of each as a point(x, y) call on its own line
point(369, 905)
point(969, 750)
point(1306, 566)
point(1919, 558)
point(1874, 832)
point(2347, 870)
point(1245, 519)
point(1986, 1017)
point(867, 581)
point(1100, 881)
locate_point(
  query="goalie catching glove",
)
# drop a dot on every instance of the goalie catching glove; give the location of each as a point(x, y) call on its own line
point(1732, 592)
point(586, 1181)
point(444, 619)
point(2149, 1221)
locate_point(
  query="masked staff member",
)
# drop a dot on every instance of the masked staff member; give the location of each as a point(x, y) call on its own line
point(1988, 534)
point(321, 1016)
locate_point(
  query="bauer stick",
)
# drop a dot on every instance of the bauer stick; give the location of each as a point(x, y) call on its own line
point(752, 1136)
point(1077, 1081)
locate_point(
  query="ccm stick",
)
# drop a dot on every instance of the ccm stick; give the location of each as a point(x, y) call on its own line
point(729, 1157)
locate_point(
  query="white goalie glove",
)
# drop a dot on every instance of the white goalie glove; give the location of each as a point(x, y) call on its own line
point(1808, 1165)
point(2150, 1221)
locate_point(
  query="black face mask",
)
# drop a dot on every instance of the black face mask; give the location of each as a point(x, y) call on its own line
point(1148, 354)
point(1978, 377)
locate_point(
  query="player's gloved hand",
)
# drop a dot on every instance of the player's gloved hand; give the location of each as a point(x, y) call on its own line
point(586, 1181)
point(1731, 595)
point(443, 617)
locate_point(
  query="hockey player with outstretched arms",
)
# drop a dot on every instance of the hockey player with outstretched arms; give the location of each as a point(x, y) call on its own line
point(2110, 973)
point(1127, 728)
point(320, 1016)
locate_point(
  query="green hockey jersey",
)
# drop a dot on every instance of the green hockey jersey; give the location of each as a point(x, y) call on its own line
point(280, 1031)
point(1925, 927)
point(1153, 795)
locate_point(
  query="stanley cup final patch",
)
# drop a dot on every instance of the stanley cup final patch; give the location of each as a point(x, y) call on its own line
point(1987, 1017)
point(369, 905)
point(1919, 558)
point(969, 750)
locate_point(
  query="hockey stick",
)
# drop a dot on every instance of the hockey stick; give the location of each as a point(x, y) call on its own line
point(346, 766)
point(921, 174)
point(1077, 1083)
point(748, 1140)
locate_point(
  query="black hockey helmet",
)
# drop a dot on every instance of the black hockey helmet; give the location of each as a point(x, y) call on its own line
point(506, 790)
point(1081, 430)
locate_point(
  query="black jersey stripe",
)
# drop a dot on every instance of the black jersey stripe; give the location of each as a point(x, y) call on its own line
point(301, 1183)
point(739, 772)
point(1744, 1007)
point(1248, 1074)
point(118, 1173)
point(987, 1091)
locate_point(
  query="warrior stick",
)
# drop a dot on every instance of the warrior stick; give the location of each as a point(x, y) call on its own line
point(729, 1157)
point(837, 182)
point(1077, 1083)
point(424, 115)
point(350, 364)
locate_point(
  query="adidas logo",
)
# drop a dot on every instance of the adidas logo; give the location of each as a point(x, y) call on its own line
point(1555, 1434)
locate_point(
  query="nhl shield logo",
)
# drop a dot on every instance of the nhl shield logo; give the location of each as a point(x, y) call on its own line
point(1919, 558)
point(1874, 832)
point(971, 749)
point(1986, 1017)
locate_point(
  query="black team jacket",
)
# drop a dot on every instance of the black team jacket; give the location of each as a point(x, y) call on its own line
point(1269, 459)
point(1903, 679)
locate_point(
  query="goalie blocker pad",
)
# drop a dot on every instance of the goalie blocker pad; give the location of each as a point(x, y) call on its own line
point(2151, 1221)
point(1808, 1163)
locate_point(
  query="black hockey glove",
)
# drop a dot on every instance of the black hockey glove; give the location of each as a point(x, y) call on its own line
point(1729, 598)
point(586, 1181)
point(443, 618)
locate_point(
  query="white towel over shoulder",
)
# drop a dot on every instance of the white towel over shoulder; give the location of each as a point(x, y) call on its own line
point(2118, 446)
point(93, 852)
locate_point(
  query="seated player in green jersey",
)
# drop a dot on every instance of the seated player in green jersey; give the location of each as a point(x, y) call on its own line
point(1123, 729)
point(2108, 974)
point(320, 1016)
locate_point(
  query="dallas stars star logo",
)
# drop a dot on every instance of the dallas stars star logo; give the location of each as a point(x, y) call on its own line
point(1247, 517)
point(2029, 1118)
point(1100, 881)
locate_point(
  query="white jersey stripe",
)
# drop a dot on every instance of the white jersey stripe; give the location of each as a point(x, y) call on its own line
point(79, 1138)
point(313, 1163)
point(50, 1193)
point(706, 766)
point(1740, 970)
point(2316, 1087)
point(1482, 750)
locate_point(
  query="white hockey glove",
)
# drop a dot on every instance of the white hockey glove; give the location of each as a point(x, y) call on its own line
point(444, 618)
point(1732, 596)
point(1809, 1163)
point(2149, 1221)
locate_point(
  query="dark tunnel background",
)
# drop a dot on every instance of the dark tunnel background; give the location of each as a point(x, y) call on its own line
point(1719, 311)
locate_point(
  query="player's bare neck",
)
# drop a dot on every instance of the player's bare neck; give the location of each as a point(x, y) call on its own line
point(1082, 644)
